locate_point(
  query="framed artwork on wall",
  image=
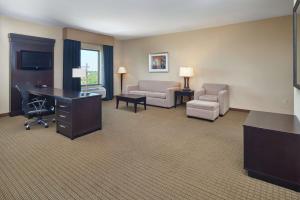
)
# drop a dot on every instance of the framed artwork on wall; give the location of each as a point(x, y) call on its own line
point(158, 62)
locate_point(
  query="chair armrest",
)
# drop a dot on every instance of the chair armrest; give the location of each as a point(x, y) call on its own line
point(223, 99)
point(131, 87)
point(199, 93)
point(222, 94)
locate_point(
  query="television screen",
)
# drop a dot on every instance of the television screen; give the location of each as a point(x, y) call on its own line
point(36, 60)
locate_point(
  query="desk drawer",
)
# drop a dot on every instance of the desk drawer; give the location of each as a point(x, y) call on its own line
point(63, 116)
point(64, 129)
point(64, 105)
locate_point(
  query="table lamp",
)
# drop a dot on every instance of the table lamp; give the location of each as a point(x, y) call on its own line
point(80, 73)
point(122, 71)
point(186, 72)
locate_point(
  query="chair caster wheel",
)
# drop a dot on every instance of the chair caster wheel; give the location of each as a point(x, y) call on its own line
point(46, 126)
point(25, 124)
point(27, 127)
point(53, 120)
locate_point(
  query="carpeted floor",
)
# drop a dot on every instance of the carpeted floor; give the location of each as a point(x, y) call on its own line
point(154, 154)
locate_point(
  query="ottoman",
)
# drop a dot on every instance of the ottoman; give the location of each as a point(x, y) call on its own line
point(202, 109)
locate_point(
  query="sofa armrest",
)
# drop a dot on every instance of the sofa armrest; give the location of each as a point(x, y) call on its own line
point(223, 99)
point(199, 93)
point(131, 87)
point(170, 96)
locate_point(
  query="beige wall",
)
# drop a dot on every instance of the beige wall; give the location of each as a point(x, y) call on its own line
point(9, 25)
point(254, 58)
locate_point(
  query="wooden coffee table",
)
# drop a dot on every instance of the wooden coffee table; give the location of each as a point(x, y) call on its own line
point(131, 98)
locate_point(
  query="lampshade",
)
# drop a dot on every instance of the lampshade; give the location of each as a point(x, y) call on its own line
point(122, 70)
point(186, 72)
point(78, 73)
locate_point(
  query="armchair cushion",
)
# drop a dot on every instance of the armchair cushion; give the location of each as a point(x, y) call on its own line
point(208, 97)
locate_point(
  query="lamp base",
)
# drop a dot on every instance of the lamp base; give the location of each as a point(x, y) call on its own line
point(186, 84)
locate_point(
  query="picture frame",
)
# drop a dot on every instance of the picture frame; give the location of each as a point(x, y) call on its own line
point(159, 62)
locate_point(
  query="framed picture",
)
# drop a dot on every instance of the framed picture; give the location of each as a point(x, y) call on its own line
point(158, 62)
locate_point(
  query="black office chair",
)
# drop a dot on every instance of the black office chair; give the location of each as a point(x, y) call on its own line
point(34, 108)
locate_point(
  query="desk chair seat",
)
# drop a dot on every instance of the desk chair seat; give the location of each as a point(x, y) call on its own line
point(35, 108)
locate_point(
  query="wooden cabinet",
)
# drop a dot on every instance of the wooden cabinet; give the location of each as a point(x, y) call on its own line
point(272, 147)
point(78, 116)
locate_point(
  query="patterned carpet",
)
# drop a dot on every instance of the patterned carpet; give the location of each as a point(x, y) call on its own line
point(154, 154)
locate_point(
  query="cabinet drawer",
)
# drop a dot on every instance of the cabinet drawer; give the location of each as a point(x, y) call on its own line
point(63, 116)
point(64, 129)
point(64, 105)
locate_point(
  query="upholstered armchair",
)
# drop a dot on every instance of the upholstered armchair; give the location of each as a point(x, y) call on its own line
point(215, 93)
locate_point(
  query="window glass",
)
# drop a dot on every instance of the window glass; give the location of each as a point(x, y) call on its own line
point(91, 59)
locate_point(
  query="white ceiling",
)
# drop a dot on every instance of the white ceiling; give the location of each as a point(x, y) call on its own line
point(139, 18)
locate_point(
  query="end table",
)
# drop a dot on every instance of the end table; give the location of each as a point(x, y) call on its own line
point(182, 93)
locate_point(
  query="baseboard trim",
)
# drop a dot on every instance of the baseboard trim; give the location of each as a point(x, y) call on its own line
point(4, 114)
point(239, 109)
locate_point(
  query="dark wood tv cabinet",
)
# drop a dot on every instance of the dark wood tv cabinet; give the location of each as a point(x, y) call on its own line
point(272, 148)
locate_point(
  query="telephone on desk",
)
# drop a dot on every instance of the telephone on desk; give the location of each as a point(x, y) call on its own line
point(41, 86)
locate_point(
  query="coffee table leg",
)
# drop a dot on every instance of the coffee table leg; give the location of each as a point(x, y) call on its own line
point(175, 101)
point(135, 107)
point(126, 103)
point(145, 104)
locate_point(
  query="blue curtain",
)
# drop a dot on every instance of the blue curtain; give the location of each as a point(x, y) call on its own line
point(71, 60)
point(108, 71)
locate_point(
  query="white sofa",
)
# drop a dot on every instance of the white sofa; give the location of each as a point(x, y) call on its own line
point(158, 93)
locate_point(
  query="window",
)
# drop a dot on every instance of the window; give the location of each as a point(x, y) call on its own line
point(91, 58)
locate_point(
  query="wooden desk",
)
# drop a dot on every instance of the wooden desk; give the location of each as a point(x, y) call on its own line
point(77, 113)
point(272, 147)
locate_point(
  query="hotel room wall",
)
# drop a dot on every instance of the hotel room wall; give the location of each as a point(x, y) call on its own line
point(254, 58)
point(10, 25)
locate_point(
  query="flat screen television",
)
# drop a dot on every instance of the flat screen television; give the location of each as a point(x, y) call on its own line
point(36, 60)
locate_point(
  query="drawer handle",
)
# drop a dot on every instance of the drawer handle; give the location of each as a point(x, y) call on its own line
point(62, 116)
point(62, 106)
point(62, 126)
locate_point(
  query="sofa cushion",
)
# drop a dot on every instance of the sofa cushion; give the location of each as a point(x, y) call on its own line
point(138, 92)
point(208, 97)
point(157, 86)
point(204, 105)
point(160, 95)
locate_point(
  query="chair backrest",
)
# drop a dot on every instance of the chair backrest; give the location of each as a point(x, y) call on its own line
point(214, 88)
point(25, 98)
point(157, 86)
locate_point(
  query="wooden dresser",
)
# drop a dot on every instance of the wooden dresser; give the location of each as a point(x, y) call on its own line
point(272, 148)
